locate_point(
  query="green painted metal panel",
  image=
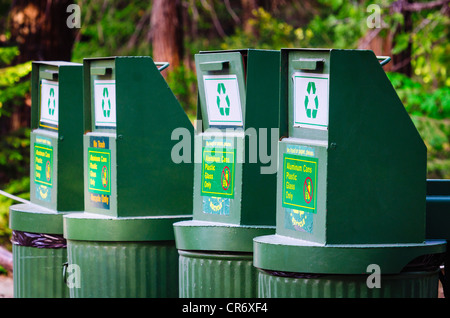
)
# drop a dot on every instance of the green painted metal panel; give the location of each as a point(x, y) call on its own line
point(234, 65)
point(389, 151)
point(209, 275)
point(228, 208)
point(70, 189)
point(404, 285)
point(124, 269)
point(38, 272)
point(262, 111)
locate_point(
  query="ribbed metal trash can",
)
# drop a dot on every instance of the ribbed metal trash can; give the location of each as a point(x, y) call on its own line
point(38, 272)
point(121, 257)
point(38, 258)
point(125, 269)
point(404, 285)
point(216, 275)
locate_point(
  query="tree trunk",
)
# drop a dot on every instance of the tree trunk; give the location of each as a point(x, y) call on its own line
point(40, 30)
point(247, 13)
point(167, 33)
point(381, 46)
point(402, 61)
point(6, 259)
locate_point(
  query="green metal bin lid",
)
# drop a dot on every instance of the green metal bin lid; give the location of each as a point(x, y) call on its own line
point(281, 253)
point(35, 219)
point(97, 227)
point(215, 236)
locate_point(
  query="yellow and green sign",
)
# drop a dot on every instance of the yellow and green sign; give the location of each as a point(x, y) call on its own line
point(99, 169)
point(43, 164)
point(300, 183)
point(99, 172)
point(218, 169)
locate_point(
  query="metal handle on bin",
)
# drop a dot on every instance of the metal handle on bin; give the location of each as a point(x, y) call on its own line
point(101, 71)
point(386, 59)
point(214, 66)
point(307, 64)
point(49, 75)
point(164, 65)
point(65, 272)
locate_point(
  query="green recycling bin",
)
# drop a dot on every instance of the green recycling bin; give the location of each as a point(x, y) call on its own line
point(56, 183)
point(351, 185)
point(438, 222)
point(234, 178)
point(123, 245)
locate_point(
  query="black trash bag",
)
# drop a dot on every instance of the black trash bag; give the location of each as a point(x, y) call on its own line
point(38, 240)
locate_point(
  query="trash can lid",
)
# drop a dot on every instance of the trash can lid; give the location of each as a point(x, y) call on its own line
point(97, 227)
point(35, 219)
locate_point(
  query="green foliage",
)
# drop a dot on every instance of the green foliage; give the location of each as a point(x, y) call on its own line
point(19, 187)
point(14, 83)
point(420, 100)
point(7, 54)
point(431, 47)
point(272, 34)
point(107, 28)
point(436, 136)
point(430, 112)
point(340, 24)
point(14, 154)
point(14, 146)
point(183, 82)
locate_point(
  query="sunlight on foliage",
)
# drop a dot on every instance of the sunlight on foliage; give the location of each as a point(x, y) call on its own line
point(271, 33)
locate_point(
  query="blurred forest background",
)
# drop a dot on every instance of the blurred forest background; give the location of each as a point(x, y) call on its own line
point(414, 33)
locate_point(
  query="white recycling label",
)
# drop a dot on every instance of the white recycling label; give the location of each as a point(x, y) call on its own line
point(223, 102)
point(49, 103)
point(311, 100)
point(105, 103)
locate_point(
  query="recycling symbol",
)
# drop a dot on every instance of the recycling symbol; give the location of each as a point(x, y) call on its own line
point(223, 102)
point(311, 101)
point(51, 102)
point(106, 103)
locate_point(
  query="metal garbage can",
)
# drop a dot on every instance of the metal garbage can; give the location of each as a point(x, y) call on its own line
point(438, 222)
point(350, 187)
point(123, 245)
point(56, 186)
point(234, 184)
